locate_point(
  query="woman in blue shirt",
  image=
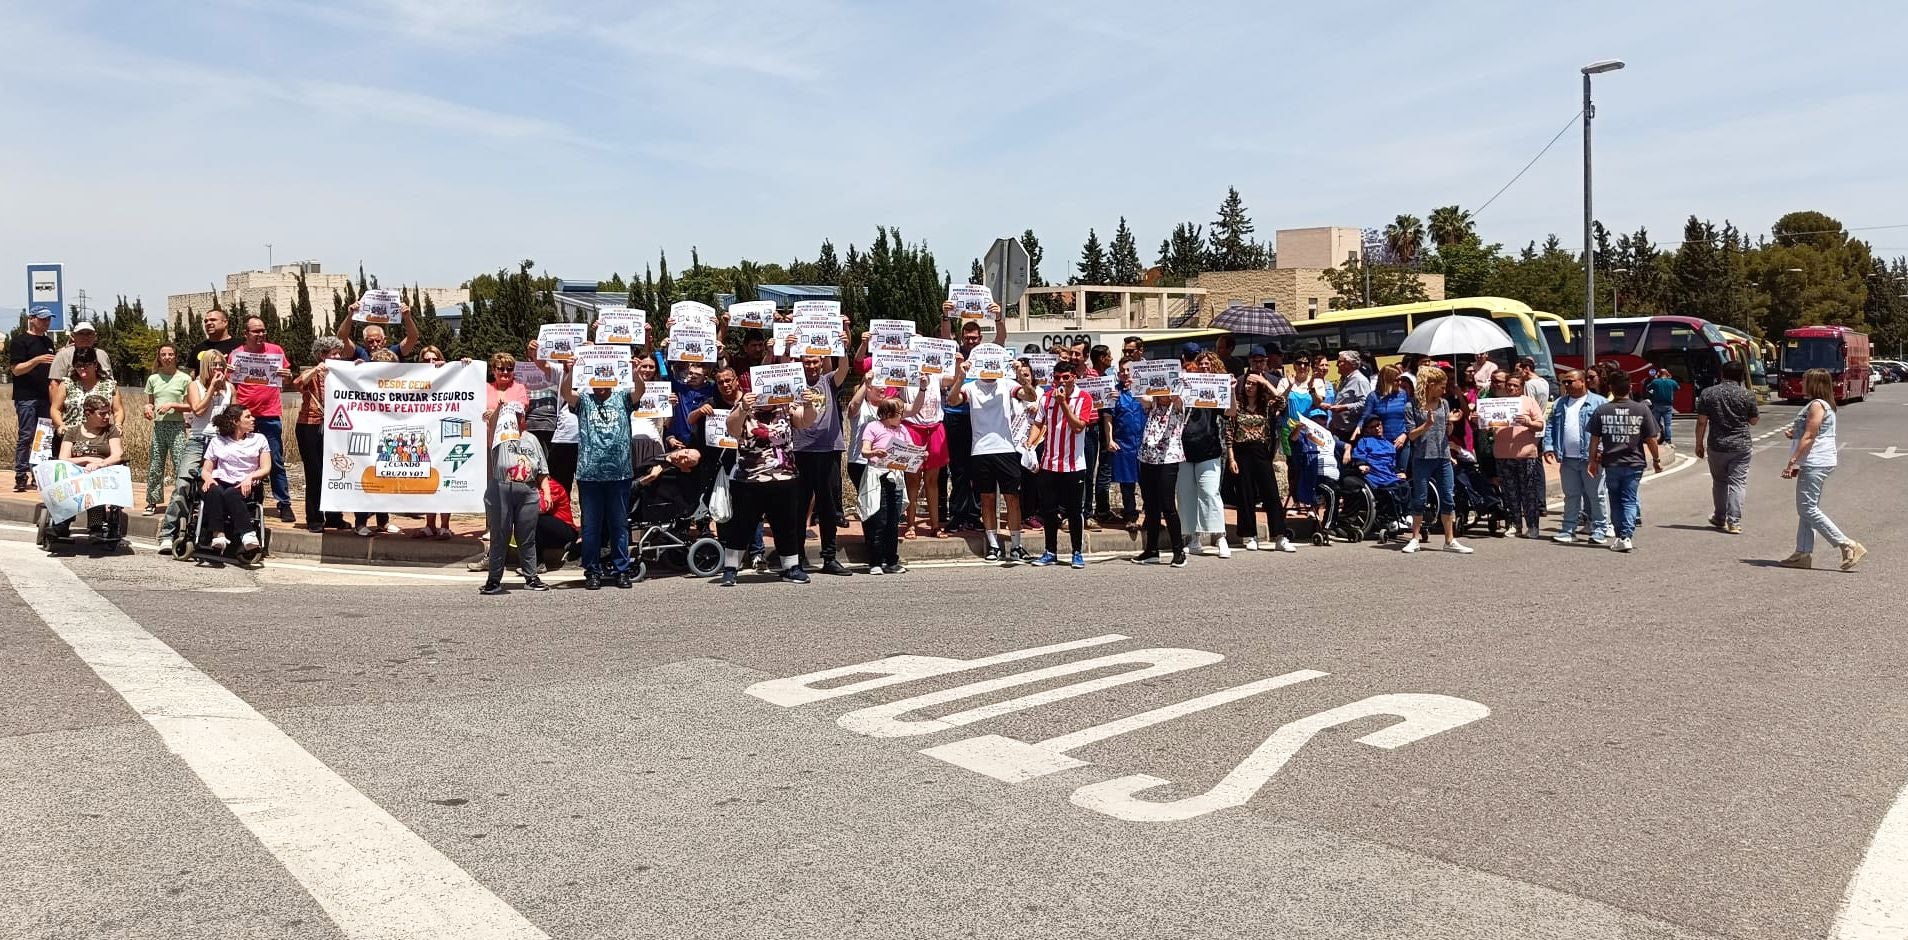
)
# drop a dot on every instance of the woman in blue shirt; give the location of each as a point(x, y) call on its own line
point(1124, 425)
point(1387, 403)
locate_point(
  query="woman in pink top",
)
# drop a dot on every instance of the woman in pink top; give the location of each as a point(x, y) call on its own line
point(880, 528)
point(1519, 471)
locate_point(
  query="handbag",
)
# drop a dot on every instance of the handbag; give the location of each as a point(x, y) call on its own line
point(721, 508)
point(868, 499)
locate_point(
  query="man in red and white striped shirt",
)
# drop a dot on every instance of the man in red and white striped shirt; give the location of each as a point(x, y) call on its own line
point(1065, 413)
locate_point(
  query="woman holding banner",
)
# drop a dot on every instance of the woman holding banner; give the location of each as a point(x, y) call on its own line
point(604, 477)
point(309, 431)
point(1160, 455)
point(1519, 469)
point(93, 444)
point(763, 483)
point(1201, 513)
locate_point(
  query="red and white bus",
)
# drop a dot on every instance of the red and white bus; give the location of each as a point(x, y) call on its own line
point(1842, 351)
point(1691, 348)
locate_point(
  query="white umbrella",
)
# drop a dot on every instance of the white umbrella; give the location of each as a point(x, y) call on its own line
point(1456, 335)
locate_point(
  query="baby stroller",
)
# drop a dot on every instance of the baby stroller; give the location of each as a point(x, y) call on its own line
point(105, 530)
point(668, 523)
point(1477, 500)
point(190, 542)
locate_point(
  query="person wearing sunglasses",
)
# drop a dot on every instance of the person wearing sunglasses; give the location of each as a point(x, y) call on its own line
point(1567, 443)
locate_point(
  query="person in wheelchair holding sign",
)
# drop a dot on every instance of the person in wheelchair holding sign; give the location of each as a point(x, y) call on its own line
point(93, 444)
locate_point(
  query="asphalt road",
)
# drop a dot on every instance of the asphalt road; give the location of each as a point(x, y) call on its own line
point(1682, 742)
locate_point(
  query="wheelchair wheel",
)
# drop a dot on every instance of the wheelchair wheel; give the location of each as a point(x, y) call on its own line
point(183, 545)
point(42, 527)
point(1357, 511)
point(705, 557)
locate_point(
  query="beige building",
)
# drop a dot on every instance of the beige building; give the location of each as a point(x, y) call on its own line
point(1297, 287)
point(1326, 247)
point(281, 285)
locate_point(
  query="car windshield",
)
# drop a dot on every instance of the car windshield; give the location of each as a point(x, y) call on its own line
point(1801, 355)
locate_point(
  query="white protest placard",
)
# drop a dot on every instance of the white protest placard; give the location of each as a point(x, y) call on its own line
point(895, 369)
point(557, 342)
point(1315, 431)
point(1155, 376)
point(622, 326)
point(690, 311)
point(1203, 390)
point(988, 361)
point(890, 335)
point(937, 355)
point(657, 401)
point(67, 490)
point(509, 425)
point(904, 456)
point(777, 383)
point(752, 314)
point(818, 334)
point(818, 308)
point(779, 340)
point(692, 343)
point(1099, 388)
point(971, 302)
point(245, 368)
point(42, 448)
point(715, 430)
point(403, 437)
point(535, 376)
point(1041, 364)
point(379, 306)
point(1499, 412)
point(601, 367)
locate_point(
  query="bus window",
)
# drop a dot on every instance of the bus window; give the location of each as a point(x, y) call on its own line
point(1801, 355)
point(1553, 337)
point(1619, 339)
point(1668, 335)
point(1316, 337)
point(1372, 337)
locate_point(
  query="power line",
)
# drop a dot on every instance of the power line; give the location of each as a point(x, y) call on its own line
point(1533, 162)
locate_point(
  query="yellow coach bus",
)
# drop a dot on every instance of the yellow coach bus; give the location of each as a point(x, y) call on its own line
point(1379, 330)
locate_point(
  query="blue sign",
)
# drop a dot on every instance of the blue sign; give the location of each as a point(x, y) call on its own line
point(46, 291)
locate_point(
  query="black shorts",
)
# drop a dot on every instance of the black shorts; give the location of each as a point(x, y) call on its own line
point(992, 472)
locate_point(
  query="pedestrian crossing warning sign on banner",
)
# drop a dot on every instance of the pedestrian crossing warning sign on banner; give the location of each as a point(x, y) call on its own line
point(340, 420)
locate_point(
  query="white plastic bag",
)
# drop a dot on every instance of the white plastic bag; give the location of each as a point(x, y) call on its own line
point(720, 508)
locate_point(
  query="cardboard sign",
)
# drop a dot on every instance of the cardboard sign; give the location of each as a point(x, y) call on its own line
point(657, 401)
point(67, 490)
point(691, 312)
point(43, 433)
point(692, 343)
point(784, 331)
point(379, 306)
point(905, 457)
point(715, 430)
point(777, 383)
point(831, 308)
point(535, 376)
point(818, 334)
point(602, 367)
point(988, 361)
point(1100, 389)
point(890, 335)
point(971, 302)
point(622, 326)
point(753, 314)
point(937, 355)
point(1154, 377)
point(1499, 412)
point(557, 342)
point(1042, 366)
point(509, 425)
point(404, 437)
point(245, 368)
point(1206, 391)
point(895, 370)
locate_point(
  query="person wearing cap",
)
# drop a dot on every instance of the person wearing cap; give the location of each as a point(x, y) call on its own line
point(31, 353)
point(85, 336)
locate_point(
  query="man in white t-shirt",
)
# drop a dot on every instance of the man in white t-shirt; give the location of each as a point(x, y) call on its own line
point(1534, 384)
point(995, 463)
point(1567, 444)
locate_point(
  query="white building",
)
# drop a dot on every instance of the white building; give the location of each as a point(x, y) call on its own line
point(281, 285)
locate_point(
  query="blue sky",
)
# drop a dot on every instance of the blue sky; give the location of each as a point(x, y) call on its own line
point(158, 145)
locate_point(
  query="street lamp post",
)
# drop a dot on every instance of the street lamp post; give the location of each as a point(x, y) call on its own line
point(1614, 311)
point(1589, 247)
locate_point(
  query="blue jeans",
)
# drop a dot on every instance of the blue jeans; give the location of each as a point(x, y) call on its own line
point(1435, 475)
point(26, 416)
point(1578, 484)
point(1664, 415)
point(1808, 510)
point(1625, 485)
point(605, 516)
point(273, 430)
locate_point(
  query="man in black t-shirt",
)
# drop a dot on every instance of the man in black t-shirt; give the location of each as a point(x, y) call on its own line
point(30, 358)
point(218, 336)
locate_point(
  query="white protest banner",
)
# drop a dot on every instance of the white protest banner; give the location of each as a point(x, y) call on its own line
point(752, 314)
point(1041, 364)
point(988, 361)
point(692, 343)
point(535, 376)
point(245, 368)
point(971, 302)
point(691, 312)
point(1207, 391)
point(379, 306)
point(783, 330)
point(1315, 431)
point(657, 401)
point(42, 448)
point(890, 335)
point(1099, 388)
point(622, 326)
point(715, 430)
point(937, 355)
point(894, 369)
point(904, 456)
point(601, 367)
point(403, 437)
point(818, 308)
point(1155, 376)
point(818, 334)
point(509, 424)
point(557, 342)
point(68, 490)
point(1499, 412)
point(777, 383)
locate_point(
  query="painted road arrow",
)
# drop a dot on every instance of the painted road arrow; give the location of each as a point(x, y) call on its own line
point(1889, 454)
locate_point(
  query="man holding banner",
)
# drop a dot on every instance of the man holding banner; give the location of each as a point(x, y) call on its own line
point(374, 338)
point(261, 391)
point(818, 449)
point(31, 355)
point(604, 476)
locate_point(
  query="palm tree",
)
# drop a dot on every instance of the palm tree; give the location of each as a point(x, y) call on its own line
point(1451, 225)
point(1405, 238)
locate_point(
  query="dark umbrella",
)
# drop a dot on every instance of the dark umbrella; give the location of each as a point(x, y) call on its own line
point(1253, 321)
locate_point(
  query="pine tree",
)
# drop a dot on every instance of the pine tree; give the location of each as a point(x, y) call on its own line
point(299, 331)
point(1232, 247)
point(274, 327)
point(665, 286)
point(1183, 255)
point(362, 286)
point(1123, 263)
point(975, 273)
point(1092, 267)
point(827, 269)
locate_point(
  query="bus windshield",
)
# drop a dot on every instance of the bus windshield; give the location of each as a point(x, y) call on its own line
point(1801, 355)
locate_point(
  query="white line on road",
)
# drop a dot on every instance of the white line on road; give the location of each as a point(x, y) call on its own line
point(1683, 462)
point(1876, 905)
point(376, 879)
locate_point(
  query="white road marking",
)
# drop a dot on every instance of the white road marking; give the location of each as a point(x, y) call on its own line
point(1876, 905)
point(1683, 462)
point(376, 879)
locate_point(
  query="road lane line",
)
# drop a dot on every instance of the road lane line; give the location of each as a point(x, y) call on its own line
point(1876, 905)
point(375, 878)
point(1682, 462)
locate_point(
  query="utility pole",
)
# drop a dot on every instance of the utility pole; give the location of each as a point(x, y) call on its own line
point(268, 256)
point(1589, 246)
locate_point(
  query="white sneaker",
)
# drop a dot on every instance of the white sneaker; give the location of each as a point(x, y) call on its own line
point(1251, 545)
point(1411, 547)
point(249, 541)
point(220, 543)
point(391, 528)
point(1458, 547)
point(1285, 545)
point(1225, 549)
point(1599, 540)
point(1622, 545)
point(875, 569)
point(1564, 538)
point(364, 531)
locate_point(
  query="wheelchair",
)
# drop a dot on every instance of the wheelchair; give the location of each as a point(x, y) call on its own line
point(190, 542)
point(105, 530)
point(1364, 511)
point(668, 524)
